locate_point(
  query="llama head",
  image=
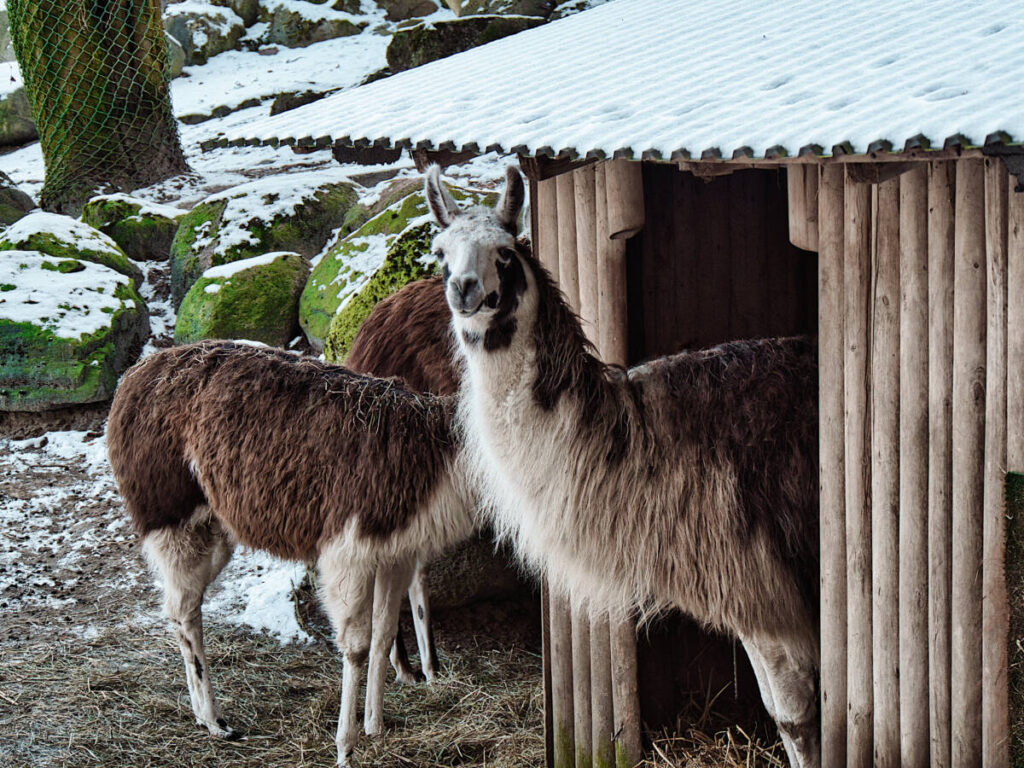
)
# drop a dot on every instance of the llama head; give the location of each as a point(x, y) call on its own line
point(476, 248)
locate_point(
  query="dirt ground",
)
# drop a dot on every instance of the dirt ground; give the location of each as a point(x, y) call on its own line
point(89, 676)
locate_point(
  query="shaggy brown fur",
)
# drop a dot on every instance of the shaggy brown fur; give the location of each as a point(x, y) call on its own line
point(256, 432)
point(408, 335)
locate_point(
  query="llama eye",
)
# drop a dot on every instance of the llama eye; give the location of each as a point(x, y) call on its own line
point(506, 254)
point(439, 254)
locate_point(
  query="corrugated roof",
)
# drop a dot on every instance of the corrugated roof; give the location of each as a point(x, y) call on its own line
point(671, 78)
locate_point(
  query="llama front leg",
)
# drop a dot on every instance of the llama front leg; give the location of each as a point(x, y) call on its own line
point(187, 559)
point(420, 604)
point(348, 598)
point(390, 584)
point(787, 675)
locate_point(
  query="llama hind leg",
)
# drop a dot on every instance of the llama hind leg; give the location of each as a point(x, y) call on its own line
point(391, 582)
point(187, 558)
point(347, 590)
point(421, 622)
point(787, 676)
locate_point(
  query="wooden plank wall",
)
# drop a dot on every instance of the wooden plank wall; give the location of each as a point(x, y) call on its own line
point(920, 333)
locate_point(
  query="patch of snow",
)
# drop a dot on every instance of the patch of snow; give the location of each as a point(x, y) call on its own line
point(262, 201)
point(319, 12)
point(233, 77)
point(64, 228)
point(234, 267)
point(212, 288)
point(224, 18)
point(146, 207)
point(255, 591)
point(10, 78)
point(68, 304)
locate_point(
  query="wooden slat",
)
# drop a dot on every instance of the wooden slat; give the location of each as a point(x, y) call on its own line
point(625, 196)
point(811, 208)
point(797, 204)
point(913, 525)
point(995, 724)
point(562, 712)
point(613, 336)
point(1015, 336)
point(586, 247)
point(546, 238)
point(941, 194)
point(969, 279)
point(625, 695)
point(602, 706)
point(856, 373)
point(885, 440)
point(831, 343)
point(568, 270)
point(581, 686)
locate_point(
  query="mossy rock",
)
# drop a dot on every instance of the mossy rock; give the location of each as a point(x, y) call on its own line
point(16, 124)
point(203, 34)
point(540, 8)
point(399, 10)
point(14, 203)
point(418, 44)
point(175, 56)
point(143, 230)
point(63, 237)
point(296, 29)
point(68, 329)
point(295, 213)
point(351, 263)
point(247, 10)
point(256, 299)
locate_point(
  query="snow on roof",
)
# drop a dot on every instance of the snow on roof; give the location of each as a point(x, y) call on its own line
point(678, 78)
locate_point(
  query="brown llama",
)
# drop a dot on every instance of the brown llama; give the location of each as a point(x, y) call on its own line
point(216, 443)
point(408, 335)
point(689, 482)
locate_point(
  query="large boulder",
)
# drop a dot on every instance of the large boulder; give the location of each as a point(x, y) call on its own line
point(6, 48)
point(175, 56)
point(248, 10)
point(63, 237)
point(418, 44)
point(68, 329)
point(541, 8)
point(202, 29)
point(14, 203)
point(391, 249)
point(297, 212)
point(16, 124)
point(142, 229)
point(256, 299)
point(400, 10)
point(298, 23)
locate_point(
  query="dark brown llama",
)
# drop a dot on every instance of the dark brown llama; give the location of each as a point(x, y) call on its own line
point(216, 443)
point(689, 482)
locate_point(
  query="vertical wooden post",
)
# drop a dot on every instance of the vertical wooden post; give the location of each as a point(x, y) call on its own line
point(1015, 334)
point(995, 724)
point(621, 212)
point(885, 437)
point(624, 183)
point(546, 236)
point(584, 183)
point(856, 379)
point(581, 686)
point(602, 732)
point(797, 198)
point(969, 280)
point(831, 345)
point(811, 207)
point(568, 271)
point(941, 194)
point(559, 618)
point(913, 512)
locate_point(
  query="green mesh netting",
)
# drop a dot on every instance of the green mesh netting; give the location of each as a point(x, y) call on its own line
point(95, 73)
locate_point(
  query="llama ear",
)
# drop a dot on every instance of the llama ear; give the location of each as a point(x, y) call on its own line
point(511, 202)
point(441, 204)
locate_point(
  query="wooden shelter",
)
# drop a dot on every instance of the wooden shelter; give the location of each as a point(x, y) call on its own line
point(741, 177)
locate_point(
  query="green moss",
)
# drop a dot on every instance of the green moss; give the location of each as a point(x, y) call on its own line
point(260, 303)
point(402, 266)
point(142, 236)
point(64, 267)
point(51, 245)
point(185, 265)
point(332, 277)
point(7, 287)
point(1014, 560)
point(39, 370)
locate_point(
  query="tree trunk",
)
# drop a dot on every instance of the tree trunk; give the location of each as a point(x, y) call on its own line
point(96, 76)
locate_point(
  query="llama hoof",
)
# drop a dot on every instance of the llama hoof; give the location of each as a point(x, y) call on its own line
point(407, 678)
point(345, 757)
point(222, 730)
